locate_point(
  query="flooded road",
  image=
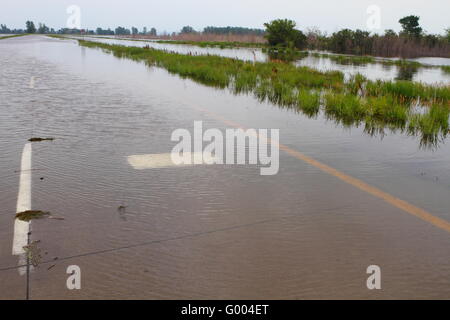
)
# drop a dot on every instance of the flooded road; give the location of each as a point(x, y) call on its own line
point(372, 71)
point(218, 231)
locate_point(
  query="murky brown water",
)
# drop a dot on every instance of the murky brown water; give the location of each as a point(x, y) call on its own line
point(206, 231)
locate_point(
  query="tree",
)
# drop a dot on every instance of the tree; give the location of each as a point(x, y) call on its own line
point(187, 29)
point(134, 30)
point(153, 31)
point(104, 32)
point(43, 29)
point(122, 31)
point(410, 26)
point(342, 41)
point(431, 40)
point(389, 33)
point(362, 42)
point(30, 27)
point(447, 34)
point(282, 32)
point(4, 29)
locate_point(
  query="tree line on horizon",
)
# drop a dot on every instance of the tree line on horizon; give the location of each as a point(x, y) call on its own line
point(411, 41)
point(43, 29)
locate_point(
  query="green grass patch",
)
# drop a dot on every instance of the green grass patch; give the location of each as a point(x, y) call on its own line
point(308, 102)
point(346, 108)
point(14, 36)
point(378, 104)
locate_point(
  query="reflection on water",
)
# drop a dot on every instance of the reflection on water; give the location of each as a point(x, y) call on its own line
point(406, 72)
point(285, 55)
point(372, 71)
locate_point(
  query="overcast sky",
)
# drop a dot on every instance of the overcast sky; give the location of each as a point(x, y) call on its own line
point(171, 15)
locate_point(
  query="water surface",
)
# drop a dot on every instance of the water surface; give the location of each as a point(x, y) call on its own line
point(373, 71)
point(206, 231)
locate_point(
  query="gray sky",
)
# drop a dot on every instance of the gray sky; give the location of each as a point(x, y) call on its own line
point(171, 15)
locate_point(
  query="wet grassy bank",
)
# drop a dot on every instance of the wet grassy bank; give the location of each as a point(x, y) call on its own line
point(411, 107)
point(13, 36)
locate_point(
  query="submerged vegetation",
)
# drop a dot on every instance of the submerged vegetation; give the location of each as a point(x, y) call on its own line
point(375, 104)
point(292, 54)
point(33, 253)
point(31, 215)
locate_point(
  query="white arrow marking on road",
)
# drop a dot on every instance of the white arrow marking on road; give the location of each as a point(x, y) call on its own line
point(164, 160)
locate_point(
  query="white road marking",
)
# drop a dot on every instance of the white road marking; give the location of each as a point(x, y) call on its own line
point(164, 160)
point(21, 228)
point(32, 81)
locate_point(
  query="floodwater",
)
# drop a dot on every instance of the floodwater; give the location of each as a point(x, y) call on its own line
point(218, 231)
point(373, 71)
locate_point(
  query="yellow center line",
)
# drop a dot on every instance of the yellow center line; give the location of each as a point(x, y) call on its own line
point(396, 202)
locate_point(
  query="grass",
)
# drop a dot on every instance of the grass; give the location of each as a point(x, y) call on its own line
point(378, 104)
point(308, 102)
point(386, 110)
point(431, 126)
point(347, 108)
point(14, 36)
point(346, 60)
point(364, 60)
point(290, 56)
point(406, 91)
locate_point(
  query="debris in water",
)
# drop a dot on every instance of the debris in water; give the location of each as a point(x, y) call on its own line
point(56, 218)
point(122, 212)
point(40, 139)
point(33, 253)
point(31, 214)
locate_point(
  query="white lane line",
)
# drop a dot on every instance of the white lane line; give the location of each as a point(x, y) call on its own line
point(21, 228)
point(32, 82)
point(164, 160)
